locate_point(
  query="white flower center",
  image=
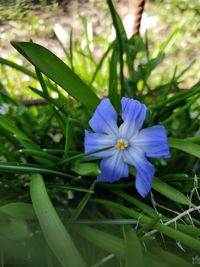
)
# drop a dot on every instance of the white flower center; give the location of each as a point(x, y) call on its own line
point(121, 144)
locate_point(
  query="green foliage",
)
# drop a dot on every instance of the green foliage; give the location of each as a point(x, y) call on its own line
point(58, 72)
point(54, 231)
point(69, 220)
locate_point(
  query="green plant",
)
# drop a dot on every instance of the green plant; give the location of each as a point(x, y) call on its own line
point(96, 224)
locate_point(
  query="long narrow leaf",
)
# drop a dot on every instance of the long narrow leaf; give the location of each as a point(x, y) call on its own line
point(53, 229)
point(185, 146)
point(170, 232)
point(170, 192)
point(80, 207)
point(10, 167)
point(133, 249)
point(106, 241)
point(58, 71)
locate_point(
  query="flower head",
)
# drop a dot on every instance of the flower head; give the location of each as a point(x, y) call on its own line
point(130, 145)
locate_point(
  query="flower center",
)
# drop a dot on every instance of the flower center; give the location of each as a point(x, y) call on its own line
point(121, 144)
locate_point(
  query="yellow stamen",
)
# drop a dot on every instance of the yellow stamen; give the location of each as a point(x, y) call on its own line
point(121, 144)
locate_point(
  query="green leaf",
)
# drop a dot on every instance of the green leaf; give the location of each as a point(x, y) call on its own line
point(19, 210)
point(105, 241)
point(101, 63)
point(86, 169)
point(57, 237)
point(18, 67)
point(68, 132)
point(121, 39)
point(140, 204)
point(113, 79)
point(149, 226)
point(78, 156)
point(23, 139)
point(6, 98)
point(4, 151)
point(15, 167)
point(109, 221)
point(187, 240)
point(169, 192)
point(195, 139)
point(176, 100)
point(42, 82)
point(41, 154)
point(170, 40)
point(49, 99)
point(152, 64)
point(58, 71)
point(80, 206)
point(171, 259)
point(133, 249)
point(22, 69)
point(13, 228)
point(180, 110)
point(72, 188)
point(185, 146)
point(188, 229)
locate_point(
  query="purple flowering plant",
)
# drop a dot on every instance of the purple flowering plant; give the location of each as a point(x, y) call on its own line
point(128, 144)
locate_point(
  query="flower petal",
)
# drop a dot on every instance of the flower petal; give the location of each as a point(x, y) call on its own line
point(145, 170)
point(153, 141)
point(104, 119)
point(95, 141)
point(113, 168)
point(133, 115)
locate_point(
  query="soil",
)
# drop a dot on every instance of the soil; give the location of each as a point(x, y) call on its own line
point(66, 15)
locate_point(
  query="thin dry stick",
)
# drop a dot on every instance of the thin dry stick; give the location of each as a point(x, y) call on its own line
point(175, 219)
point(138, 16)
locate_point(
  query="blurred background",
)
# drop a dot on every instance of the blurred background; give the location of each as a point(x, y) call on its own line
point(171, 24)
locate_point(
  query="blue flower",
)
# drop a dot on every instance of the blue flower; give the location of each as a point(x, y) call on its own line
point(130, 145)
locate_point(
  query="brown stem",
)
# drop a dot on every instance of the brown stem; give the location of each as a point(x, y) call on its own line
point(33, 102)
point(138, 16)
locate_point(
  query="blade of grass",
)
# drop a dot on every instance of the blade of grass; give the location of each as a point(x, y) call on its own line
point(41, 154)
point(13, 65)
point(22, 138)
point(100, 63)
point(171, 259)
point(149, 226)
point(106, 241)
point(49, 99)
point(25, 168)
point(86, 169)
point(109, 222)
point(180, 110)
point(186, 146)
point(133, 249)
point(113, 79)
point(67, 138)
point(57, 237)
point(41, 80)
point(19, 210)
point(82, 155)
point(117, 25)
point(144, 207)
point(71, 49)
point(76, 213)
point(73, 188)
point(169, 192)
point(170, 232)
